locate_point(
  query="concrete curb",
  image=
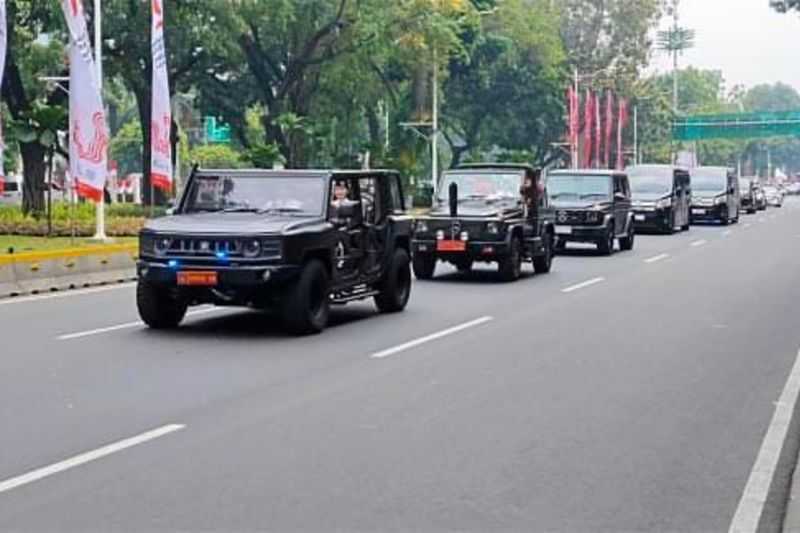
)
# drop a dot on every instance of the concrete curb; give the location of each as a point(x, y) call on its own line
point(32, 273)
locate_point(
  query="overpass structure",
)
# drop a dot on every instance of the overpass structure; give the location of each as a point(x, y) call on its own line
point(736, 126)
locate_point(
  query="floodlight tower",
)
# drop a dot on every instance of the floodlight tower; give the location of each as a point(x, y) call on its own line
point(675, 40)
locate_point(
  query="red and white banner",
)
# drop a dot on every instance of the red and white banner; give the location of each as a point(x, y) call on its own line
point(588, 128)
point(609, 128)
point(161, 115)
point(3, 43)
point(598, 133)
point(623, 121)
point(88, 134)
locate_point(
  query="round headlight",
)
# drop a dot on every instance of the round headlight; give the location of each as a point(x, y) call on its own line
point(493, 228)
point(252, 248)
point(464, 236)
point(422, 226)
point(440, 235)
point(162, 246)
point(591, 216)
point(719, 200)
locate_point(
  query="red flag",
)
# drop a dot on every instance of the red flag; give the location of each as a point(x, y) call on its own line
point(623, 121)
point(598, 133)
point(609, 128)
point(588, 124)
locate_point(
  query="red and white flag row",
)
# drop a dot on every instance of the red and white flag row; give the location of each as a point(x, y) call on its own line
point(598, 131)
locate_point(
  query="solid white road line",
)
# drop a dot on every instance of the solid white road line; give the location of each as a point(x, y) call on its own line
point(701, 242)
point(751, 506)
point(127, 325)
point(422, 340)
point(64, 294)
point(87, 457)
point(656, 259)
point(583, 285)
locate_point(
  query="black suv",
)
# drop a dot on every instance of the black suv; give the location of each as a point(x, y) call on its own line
point(592, 206)
point(486, 213)
point(294, 241)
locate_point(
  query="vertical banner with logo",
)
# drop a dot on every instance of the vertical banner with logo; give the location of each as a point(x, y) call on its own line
point(609, 128)
point(3, 44)
point(161, 115)
point(88, 134)
point(623, 121)
point(588, 127)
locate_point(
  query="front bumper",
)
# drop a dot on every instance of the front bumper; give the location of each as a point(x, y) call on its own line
point(652, 220)
point(709, 213)
point(229, 277)
point(581, 233)
point(475, 250)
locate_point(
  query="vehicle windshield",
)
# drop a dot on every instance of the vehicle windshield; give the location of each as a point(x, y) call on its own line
point(572, 187)
point(709, 181)
point(256, 194)
point(648, 181)
point(486, 185)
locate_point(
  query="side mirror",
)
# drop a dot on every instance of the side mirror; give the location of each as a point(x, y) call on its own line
point(619, 197)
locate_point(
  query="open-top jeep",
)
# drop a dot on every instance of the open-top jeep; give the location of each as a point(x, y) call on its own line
point(487, 213)
point(293, 241)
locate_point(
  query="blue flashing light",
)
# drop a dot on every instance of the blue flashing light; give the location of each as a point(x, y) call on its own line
point(173, 263)
point(222, 256)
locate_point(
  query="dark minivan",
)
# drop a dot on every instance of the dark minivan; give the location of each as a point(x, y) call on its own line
point(715, 195)
point(662, 196)
point(747, 195)
point(592, 206)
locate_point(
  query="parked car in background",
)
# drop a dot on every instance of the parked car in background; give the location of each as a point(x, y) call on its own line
point(661, 196)
point(761, 198)
point(774, 196)
point(11, 190)
point(793, 188)
point(715, 195)
point(747, 195)
point(592, 206)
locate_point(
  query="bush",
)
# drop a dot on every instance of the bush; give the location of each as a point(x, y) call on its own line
point(121, 220)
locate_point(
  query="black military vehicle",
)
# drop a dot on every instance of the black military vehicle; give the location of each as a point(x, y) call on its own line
point(293, 241)
point(486, 213)
point(592, 206)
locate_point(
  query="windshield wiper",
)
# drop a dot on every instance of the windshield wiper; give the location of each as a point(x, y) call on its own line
point(281, 210)
point(240, 209)
point(594, 195)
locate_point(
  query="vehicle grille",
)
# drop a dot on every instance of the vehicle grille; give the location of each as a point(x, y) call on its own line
point(199, 247)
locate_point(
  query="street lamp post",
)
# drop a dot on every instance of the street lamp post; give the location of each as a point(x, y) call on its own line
point(100, 231)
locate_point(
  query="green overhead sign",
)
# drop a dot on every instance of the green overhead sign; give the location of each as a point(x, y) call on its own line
point(218, 133)
point(736, 126)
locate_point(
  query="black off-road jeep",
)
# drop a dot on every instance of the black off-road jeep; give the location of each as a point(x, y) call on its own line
point(293, 241)
point(487, 213)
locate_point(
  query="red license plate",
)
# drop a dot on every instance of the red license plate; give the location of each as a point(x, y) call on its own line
point(451, 246)
point(197, 279)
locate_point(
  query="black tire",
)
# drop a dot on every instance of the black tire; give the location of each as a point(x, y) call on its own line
point(306, 304)
point(510, 265)
point(606, 246)
point(160, 307)
point(751, 211)
point(395, 289)
point(544, 262)
point(626, 242)
point(725, 219)
point(560, 245)
point(424, 265)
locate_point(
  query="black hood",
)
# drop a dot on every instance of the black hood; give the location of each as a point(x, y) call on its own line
point(229, 224)
point(478, 209)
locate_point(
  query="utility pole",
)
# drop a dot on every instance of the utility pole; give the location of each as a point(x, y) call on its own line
point(100, 231)
point(435, 133)
point(636, 135)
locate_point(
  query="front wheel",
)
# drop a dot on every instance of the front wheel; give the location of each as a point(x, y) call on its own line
point(544, 262)
point(306, 304)
point(160, 307)
point(424, 265)
point(511, 264)
point(626, 243)
point(606, 245)
point(395, 289)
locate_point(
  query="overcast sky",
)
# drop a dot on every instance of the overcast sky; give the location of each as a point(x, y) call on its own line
point(745, 39)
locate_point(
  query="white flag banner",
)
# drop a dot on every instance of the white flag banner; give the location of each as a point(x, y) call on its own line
point(3, 44)
point(161, 115)
point(88, 134)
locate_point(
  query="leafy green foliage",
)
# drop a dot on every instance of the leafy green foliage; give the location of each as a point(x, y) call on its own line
point(216, 156)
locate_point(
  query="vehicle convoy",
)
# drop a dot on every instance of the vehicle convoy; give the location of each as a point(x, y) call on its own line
point(715, 195)
point(747, 195)
point(291, 241)
point(774, 196)
point(486, 213)
point(662, 196)
point(592, 206)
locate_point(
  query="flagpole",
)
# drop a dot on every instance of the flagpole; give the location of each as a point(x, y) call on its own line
point(100, 231)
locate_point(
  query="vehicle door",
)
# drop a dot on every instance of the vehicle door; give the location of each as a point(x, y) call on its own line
point(347, 216)
point(618, 199)
point(376, 205)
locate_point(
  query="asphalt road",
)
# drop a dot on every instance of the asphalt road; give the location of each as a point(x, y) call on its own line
point(617, 393)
